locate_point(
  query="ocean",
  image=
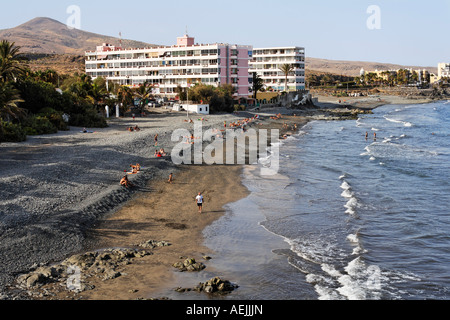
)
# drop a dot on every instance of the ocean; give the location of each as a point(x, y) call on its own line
point(346, 217)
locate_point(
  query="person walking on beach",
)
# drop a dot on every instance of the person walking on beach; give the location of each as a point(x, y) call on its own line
point(171, 178)
point(199, 199)
point(156, 140)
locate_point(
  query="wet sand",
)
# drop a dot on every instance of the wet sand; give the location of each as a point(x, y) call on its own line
point(167, 213)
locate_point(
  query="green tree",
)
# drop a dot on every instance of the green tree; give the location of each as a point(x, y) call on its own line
point(143, 93)
point(402, 76)
point(328, 79)
point(11, 62)
point(81, 86)
point(50, 76)
point(220, 99)
point(99, 92)
point(182, 93)
point(287, 70)
point(257, 84)
point(202, 93)
point(125, 97)
point(9, 102)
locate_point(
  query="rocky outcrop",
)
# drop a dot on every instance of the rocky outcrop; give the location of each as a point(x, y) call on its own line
point(103, 264)
point(189, 265)
point(213, 286)
point(74, 273)
point(151, 244)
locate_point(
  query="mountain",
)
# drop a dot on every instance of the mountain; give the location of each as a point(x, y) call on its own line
point(48, 36)
point(353, 68)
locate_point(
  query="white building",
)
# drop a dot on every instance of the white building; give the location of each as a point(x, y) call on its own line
point(168, 67)
point(193, 108)
point(443, 70)
point(267, 62)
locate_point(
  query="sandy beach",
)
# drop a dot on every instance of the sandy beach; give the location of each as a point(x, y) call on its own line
point(61, 196)
point(56, 187)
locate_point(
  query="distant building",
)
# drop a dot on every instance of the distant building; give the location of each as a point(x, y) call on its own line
point(266, 63)
point(168, 67)
point(193, 108)
point(423, 75)
point(362, 72)
point(443, 70)
point(434, 78)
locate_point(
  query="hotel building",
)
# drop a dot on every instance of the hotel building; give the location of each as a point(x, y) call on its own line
point(267, 62)
point(443, 70)
point(168, 67)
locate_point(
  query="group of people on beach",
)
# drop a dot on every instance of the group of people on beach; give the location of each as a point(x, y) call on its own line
point(160, 153)
point(241, 123)
point(277, 117)
point(125, 182)
point(134, 129)
point(199, 199)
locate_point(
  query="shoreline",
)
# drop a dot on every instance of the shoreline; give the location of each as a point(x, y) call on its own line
point(122, 230)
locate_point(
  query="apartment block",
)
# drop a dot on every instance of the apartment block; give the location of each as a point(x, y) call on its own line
point(266, 62)
point(443, 70)
point(185, 64)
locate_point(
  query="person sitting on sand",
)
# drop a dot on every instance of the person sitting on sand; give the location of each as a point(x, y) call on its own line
point(134, 169)
point(162, 152)
point(125, 182)
point(158, 154)
point(136, 128)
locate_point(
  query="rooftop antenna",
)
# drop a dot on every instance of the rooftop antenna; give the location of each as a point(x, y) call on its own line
point(187, 33)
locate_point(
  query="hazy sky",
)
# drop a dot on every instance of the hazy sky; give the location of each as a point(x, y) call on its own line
point(407, 32)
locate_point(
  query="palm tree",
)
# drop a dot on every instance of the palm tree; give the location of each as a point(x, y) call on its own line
point(98, 93)
point(11, 62)
point(143, 93)
point(286, 69)
point(258, 84)
point(9, 102)
point(124, 97)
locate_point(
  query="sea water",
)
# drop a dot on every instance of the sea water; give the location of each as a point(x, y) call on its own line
point(346, 217)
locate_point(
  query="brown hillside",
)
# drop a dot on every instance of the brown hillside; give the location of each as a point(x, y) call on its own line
point(45, 35)
point(353, 68)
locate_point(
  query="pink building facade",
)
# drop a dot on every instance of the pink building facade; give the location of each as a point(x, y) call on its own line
point(183, 65)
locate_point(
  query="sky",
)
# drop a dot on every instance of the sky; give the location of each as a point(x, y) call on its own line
point(406, 32)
